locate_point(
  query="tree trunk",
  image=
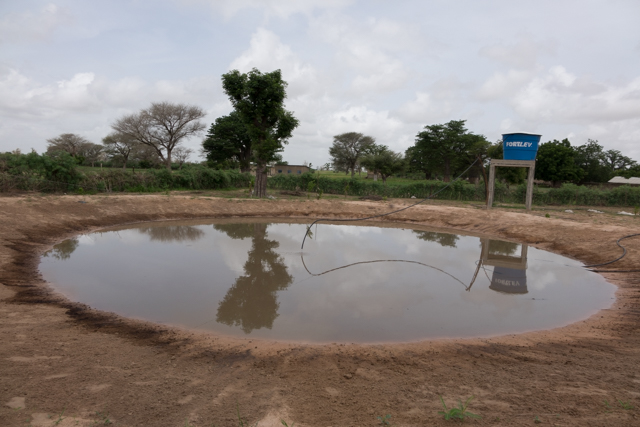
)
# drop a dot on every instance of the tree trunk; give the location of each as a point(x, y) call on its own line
point(260, 189)
point(447, 171)
point(169, 160)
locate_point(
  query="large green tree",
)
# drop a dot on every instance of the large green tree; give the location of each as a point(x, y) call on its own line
point(228, 143)
point(259, 100)
point(590, 158)
point(348, 148)
point(556, 163)
point(445, 148)
point(418, 161)
point(615, 161)
point(381, 160)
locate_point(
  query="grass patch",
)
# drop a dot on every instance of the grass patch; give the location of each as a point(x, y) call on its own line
point(457, 413)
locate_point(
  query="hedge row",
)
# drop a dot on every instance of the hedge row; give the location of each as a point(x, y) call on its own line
point(108, 180)
point(191, 178)
point(568, 194)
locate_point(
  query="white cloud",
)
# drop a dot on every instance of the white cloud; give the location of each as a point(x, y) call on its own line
point(522, 54)
point(267, 53)
point(87, 104)
point(29, 26)
point(371, 49)
point(444, 99)
point(561, 96)
point(502, 85)
point(277, 8)
point(373, 67)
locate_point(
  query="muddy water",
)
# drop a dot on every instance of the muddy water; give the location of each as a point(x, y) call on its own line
point(361, 283)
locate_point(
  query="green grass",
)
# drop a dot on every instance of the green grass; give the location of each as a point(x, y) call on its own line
point(625, 405)
point(241, 422)
point(459, 413)
point(103, 419)
point(363, 176)
point(384, 421)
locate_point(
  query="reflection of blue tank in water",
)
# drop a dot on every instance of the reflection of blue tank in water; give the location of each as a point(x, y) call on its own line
point(509, 280)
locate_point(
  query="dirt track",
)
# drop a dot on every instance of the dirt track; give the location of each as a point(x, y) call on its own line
point(63, 362)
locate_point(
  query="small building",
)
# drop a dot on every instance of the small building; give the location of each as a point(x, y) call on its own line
point(289, 169)
point(619, 180)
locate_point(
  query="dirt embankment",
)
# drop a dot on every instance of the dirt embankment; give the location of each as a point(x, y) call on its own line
point(63, 363)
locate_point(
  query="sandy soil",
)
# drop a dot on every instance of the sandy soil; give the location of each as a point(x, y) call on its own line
point(64, 364)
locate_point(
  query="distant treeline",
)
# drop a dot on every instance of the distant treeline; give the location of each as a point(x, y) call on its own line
point(59, 172)
point(567, 194)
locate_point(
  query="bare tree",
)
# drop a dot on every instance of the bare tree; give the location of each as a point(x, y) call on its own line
point(347, 149)
point(145, 156)
point(120, 145)
point(162, 126)
point(69, 142)
point(91, 152)
point(181, 155)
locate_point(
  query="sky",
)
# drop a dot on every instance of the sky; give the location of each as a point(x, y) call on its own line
point(560, 68)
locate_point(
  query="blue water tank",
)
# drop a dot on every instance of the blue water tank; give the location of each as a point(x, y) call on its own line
point(509, 280)
point(520, 146)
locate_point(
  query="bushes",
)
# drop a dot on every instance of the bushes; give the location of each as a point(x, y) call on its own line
point(189, 178)
point(358, 187)
point(568, 194)
point(26, 172)
point(59, 172)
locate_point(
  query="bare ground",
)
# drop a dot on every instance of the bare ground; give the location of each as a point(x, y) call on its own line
point(62, 363)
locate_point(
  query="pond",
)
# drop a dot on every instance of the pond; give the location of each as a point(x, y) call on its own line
point(362, 283)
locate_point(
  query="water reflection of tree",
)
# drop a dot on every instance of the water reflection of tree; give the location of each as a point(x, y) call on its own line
point(501, 247)
point(173, 233)
point(251, 302)
point(444, 239)
point(63, 250)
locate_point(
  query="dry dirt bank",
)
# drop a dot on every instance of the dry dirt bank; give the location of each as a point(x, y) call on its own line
point(63, 362)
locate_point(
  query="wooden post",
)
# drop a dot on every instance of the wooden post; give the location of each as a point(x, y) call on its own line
point(492, 182)
point(532, 170)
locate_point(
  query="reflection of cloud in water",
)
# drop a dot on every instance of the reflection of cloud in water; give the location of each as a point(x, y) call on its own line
point(86, 240)
point(366, 292)
point(543, 279)
point(172, 233)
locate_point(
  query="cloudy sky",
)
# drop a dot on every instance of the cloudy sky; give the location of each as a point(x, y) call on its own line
point(562, 68)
